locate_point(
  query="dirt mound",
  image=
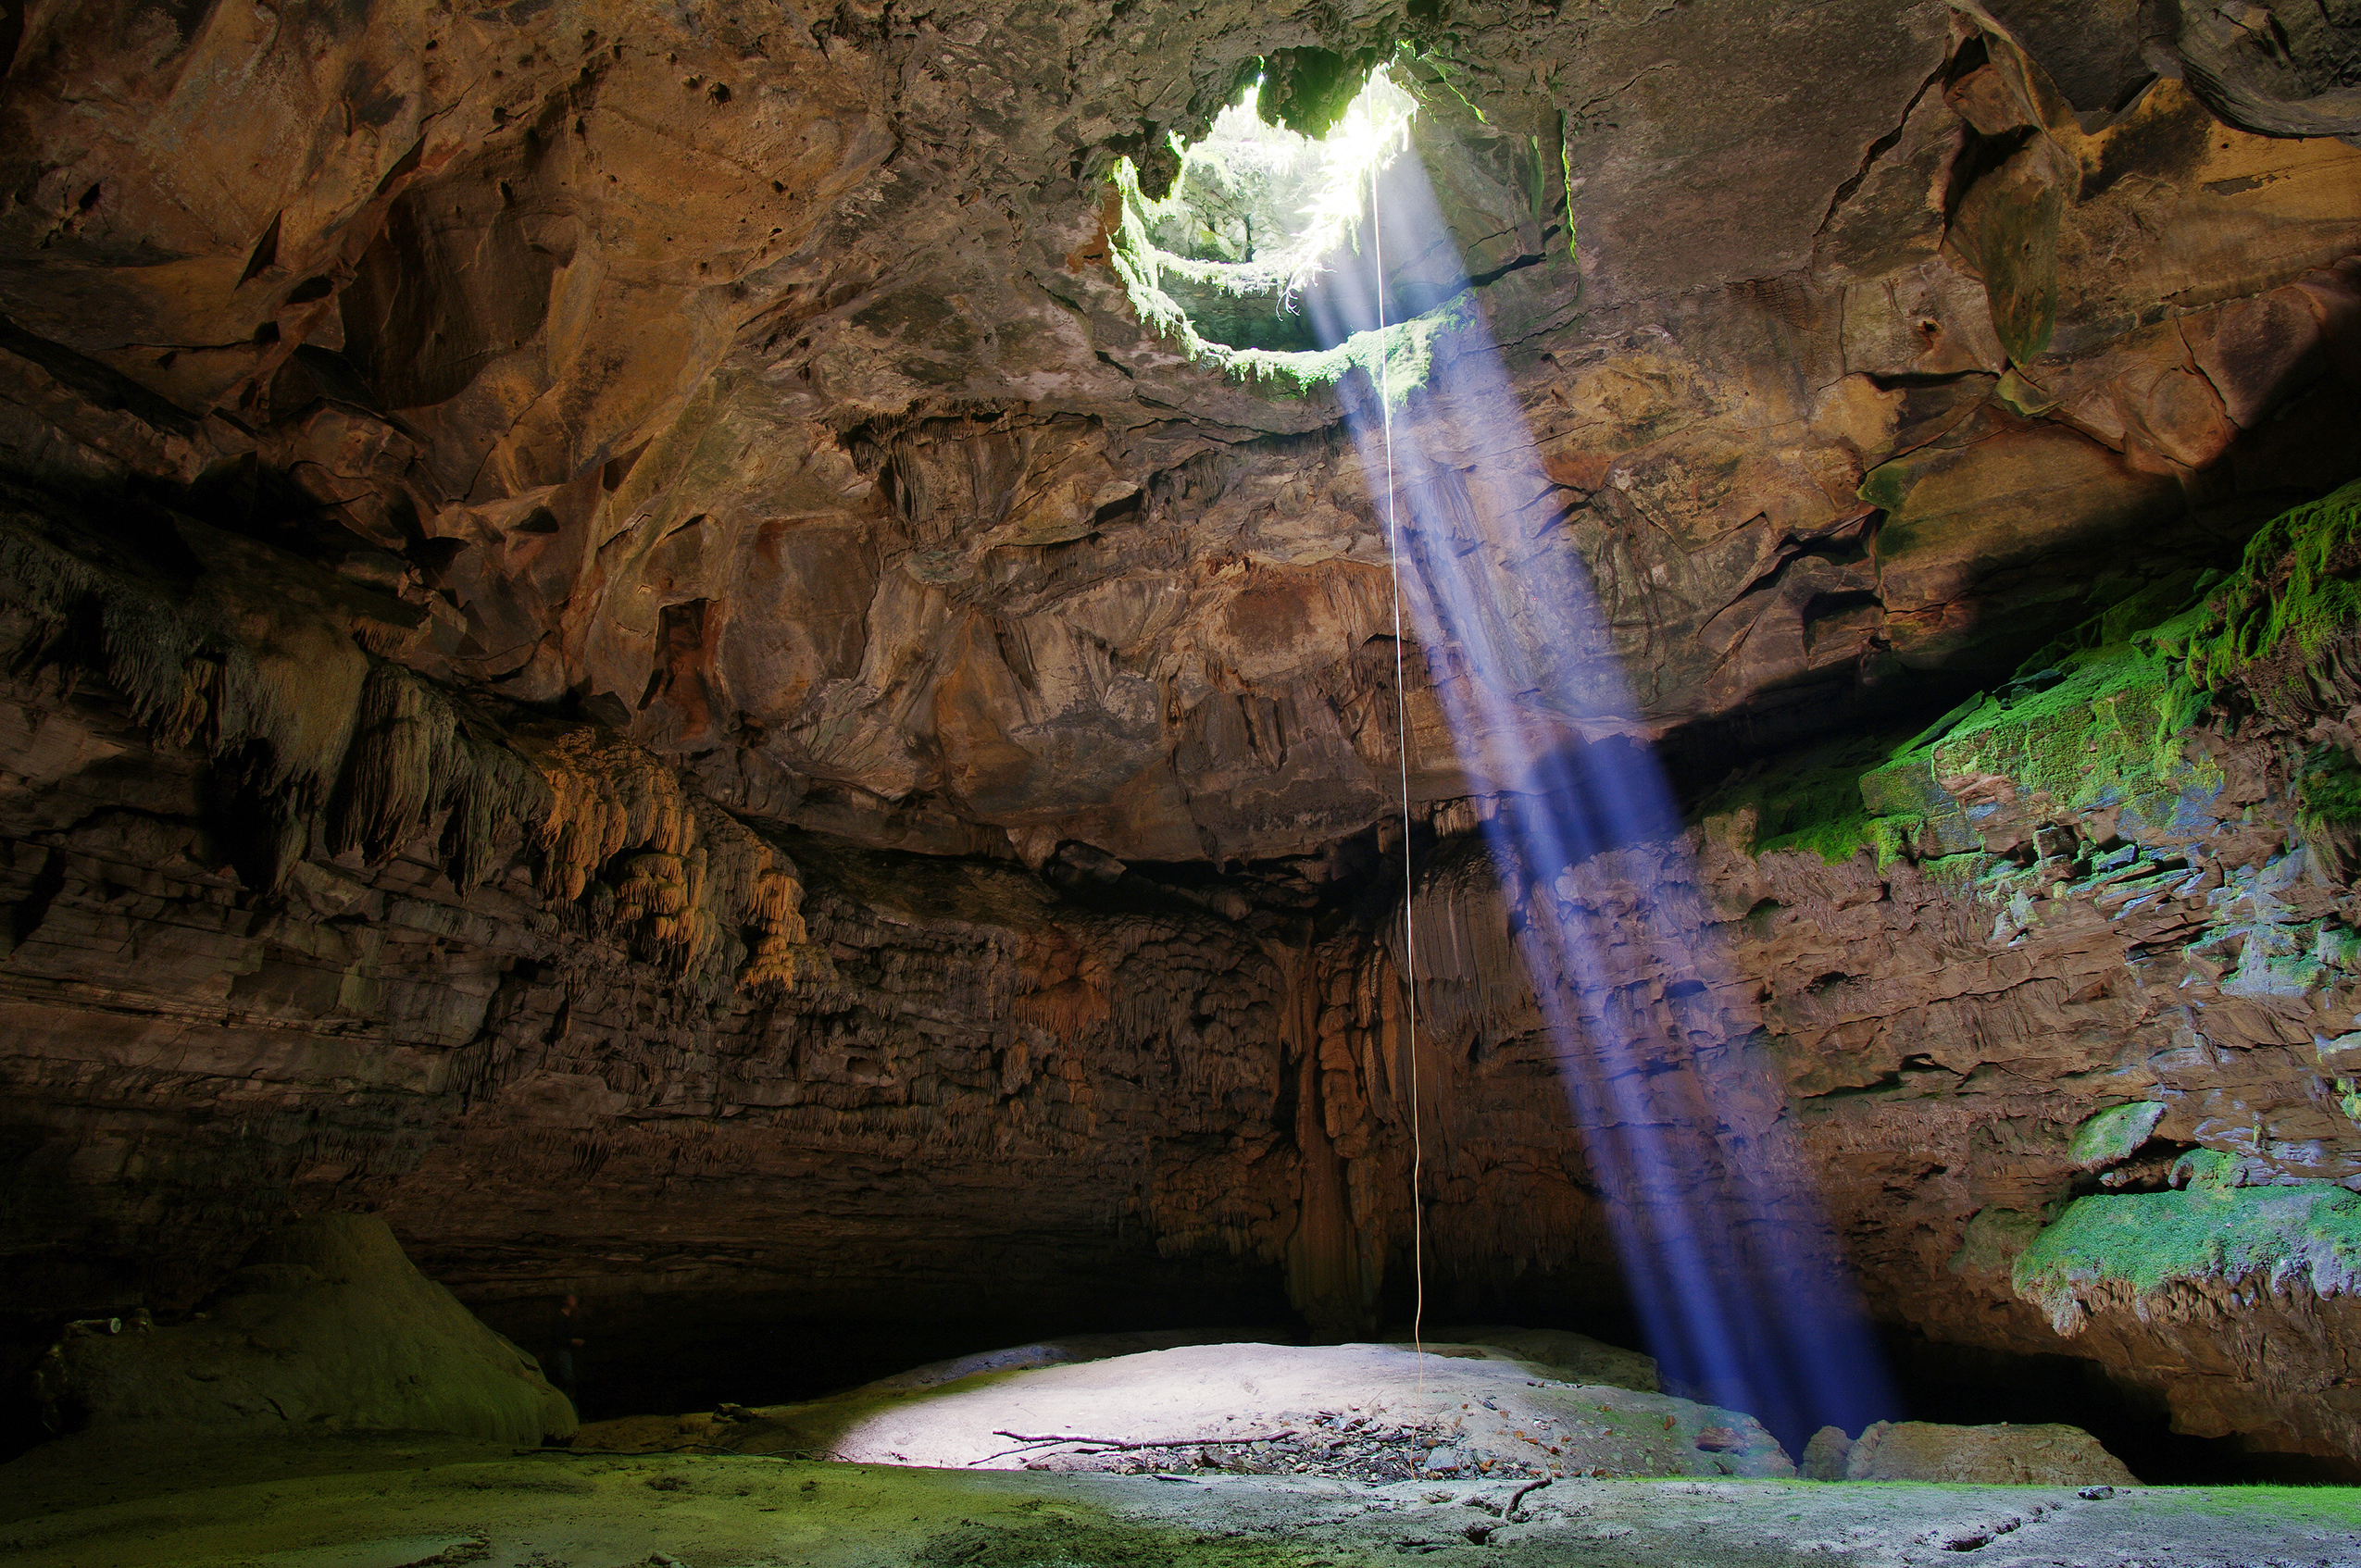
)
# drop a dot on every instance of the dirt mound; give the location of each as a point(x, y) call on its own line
point(329, 1327)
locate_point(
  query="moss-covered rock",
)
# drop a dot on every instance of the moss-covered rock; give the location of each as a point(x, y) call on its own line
point(1813, 805)
point(2131, 1250)
point(1993, 1240)
point(331, 1329)
point(2114, 1135)
point(2272, 630)
point(2092, 731)
point(2104, 722)
point(2002, 1455)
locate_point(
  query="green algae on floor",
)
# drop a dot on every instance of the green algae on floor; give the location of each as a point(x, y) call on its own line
point(1067, 1537)
point(374, 1503)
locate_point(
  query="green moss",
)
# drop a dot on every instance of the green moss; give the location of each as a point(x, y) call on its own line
point(1957, 872)
point(1566, 176)
point(1397, 359)
point(2348, 1099)
point(2114, 1135)
point(2335, 1507)
point(2295, 592)
point(2328, 789)
point(1993, 1240)
point(1812, 803)
point(2142, 1242)
point(2102, 722)
point(2207, 1170)
point(2100, 727)
point(2100, 734)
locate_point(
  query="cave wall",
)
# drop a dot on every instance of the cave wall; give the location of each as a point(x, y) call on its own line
point(1041, 1092)
point(766, 392)
point(623, 648)
point(997, 1090)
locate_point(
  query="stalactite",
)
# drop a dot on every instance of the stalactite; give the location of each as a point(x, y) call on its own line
point(414, 756)
point(376, 755)
point(678, 875)
point(1471, 974)
point(190, 671)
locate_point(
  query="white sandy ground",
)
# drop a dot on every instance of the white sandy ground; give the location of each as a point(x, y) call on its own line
point(1487, 1409)
point(376, 1501)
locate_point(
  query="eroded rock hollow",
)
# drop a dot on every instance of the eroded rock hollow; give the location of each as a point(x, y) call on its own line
point(737, 661)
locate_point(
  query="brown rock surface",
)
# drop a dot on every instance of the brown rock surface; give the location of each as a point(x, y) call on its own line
point(624, 649)
point(1986, 1456)
point(752, 389)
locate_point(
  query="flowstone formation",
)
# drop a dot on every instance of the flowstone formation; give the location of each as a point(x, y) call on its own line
point(727, 662)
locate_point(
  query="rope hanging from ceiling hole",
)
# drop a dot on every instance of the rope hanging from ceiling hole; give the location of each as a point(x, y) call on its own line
point(1402, 749)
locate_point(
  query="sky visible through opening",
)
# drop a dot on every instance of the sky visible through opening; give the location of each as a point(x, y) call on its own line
point(1260, 196)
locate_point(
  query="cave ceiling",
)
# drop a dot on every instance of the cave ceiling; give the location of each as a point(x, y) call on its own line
point(758, 381)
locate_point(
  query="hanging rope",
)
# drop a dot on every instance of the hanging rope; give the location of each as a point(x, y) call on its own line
point(1402, 749)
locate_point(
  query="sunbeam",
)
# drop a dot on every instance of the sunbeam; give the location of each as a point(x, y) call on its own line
point(1737, 1276)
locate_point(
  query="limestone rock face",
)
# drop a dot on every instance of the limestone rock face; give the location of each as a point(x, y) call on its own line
point(624, 647)
point(766, 391)
point(330, 1329)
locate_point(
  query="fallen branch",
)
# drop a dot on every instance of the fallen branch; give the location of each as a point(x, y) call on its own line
point(1522, 1493)
point(1109, 1445)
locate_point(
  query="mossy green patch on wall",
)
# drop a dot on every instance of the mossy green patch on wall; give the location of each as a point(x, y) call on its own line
point(2104, 724)
point(2328, 789)
point(2127, 1249)
point(1993, 1240)
point(2114, 1135)
point(1396, 360)
point(1812, 804)
point(2207, 1170)
point(2101, 728)
point(2100, 734)
point(2297, 589)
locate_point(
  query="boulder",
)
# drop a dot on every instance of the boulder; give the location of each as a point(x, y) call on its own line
point(2002, 1455)
point(1824, 1456)
point(330, 1327)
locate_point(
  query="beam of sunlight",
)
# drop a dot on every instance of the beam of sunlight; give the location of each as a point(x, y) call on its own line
point(1729, 1261)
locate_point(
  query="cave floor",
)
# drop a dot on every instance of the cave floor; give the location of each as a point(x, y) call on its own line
point(386, 1502)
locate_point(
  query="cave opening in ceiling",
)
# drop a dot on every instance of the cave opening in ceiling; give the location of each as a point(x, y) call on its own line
point(1252, 260)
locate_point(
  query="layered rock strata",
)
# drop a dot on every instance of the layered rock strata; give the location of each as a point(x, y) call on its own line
point(625, 647)
point(772, 395)
point(1119, 1083)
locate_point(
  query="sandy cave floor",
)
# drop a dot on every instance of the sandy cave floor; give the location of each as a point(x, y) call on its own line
point(379, 1501)
point(1278, 1457)
point(1365, 1412)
